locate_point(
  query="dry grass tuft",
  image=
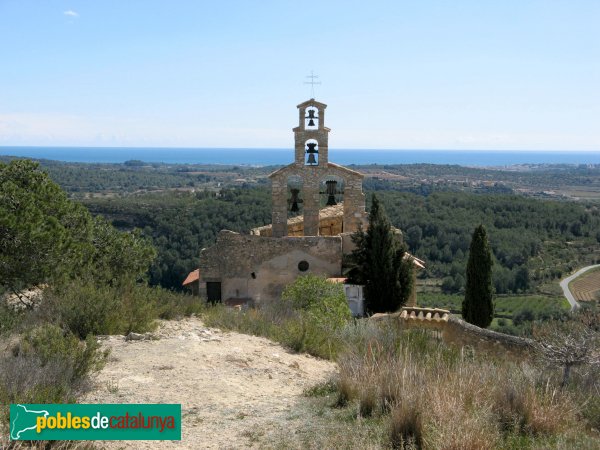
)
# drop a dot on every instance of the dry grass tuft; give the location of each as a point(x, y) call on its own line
point(442, 398)
point(406, 427)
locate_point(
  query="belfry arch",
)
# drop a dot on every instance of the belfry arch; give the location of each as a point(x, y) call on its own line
point(312, 170)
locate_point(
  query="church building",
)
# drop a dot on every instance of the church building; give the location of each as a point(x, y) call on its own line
point(317, 205)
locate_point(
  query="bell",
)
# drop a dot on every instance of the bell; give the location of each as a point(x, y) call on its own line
point(311, 159)
point(311, 148)
point(311, 123)
point(331, 191)
point(311, 114)
point(294, 200)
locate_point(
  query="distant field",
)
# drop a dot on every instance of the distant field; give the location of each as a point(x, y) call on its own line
point(506, 307)
point(586, 287)
point(581, 193)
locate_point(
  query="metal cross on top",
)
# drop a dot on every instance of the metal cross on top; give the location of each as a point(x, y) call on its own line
point(312, 82)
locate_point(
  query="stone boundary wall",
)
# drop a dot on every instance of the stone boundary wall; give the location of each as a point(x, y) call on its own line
point(462, 334)
point(455, 331)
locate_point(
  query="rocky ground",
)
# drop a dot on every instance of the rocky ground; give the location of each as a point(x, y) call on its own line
point(235, 390)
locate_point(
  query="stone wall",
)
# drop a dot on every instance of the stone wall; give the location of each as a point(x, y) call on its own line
point(331, 219)
point(455, 331)
point(310, 178)
point(354, 213)
point(258, 268)
point(460, 333)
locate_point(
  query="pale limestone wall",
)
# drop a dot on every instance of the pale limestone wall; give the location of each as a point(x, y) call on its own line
point(311, 178)
point(354, 213)
point(462, 334)
point(273, 261)
point(455, 331)
point(330, 223)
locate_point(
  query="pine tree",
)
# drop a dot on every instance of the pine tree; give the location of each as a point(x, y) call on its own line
point(478, 305)
point(380, 264)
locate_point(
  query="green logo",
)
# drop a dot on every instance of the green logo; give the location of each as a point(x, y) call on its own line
point(95, 422)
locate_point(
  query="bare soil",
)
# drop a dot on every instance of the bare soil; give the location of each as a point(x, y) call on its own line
point(235, 390)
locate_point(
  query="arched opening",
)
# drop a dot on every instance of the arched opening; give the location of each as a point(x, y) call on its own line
point(295, 200)
point(331, 201)
point(311, 152)
point(311, 118)
point(331, 190)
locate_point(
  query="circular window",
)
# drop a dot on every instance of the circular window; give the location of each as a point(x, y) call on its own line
point(303, 266)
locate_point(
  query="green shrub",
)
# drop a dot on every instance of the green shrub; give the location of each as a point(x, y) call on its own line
point(9, 318)
point(50, 343)
point(172, 305)
point(308, 319)
point(84, 308)
point(138, 308)
point(322, 311)
point(47, 366)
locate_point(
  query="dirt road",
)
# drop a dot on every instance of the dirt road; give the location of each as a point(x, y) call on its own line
point(564, 284)
point(235, 390)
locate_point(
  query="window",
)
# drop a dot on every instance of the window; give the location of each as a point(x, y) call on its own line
point(303, 266)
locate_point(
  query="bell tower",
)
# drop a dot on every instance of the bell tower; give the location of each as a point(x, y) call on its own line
point(311, 135)
point(312, 182)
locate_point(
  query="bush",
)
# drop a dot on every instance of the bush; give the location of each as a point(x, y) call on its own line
point(172, 305)
point(48, 365)
point(87, 309)
point(84, 308)
point(9, 318)
point(323, 301)
point(50, 343)
point(138, 308)
point(321, 311)
point(309, 317)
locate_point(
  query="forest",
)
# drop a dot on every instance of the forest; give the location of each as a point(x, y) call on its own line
point(534, 241)
point(181, 223)
point(182, 207)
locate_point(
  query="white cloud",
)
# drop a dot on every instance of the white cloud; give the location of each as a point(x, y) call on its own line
point(71, 13)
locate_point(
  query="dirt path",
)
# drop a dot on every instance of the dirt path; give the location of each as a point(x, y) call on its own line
point(234, 389)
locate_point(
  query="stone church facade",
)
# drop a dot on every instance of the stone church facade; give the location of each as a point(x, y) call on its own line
point(317, 205)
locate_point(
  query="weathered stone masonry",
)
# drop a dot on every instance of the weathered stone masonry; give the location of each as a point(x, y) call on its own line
point(312, 176)
point(455, 331)
point(258, 268)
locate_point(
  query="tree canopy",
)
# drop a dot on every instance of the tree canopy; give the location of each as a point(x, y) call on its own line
point(380, 263)
point(478, 305)
point(45, 237)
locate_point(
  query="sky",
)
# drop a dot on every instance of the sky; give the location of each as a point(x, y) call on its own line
point(511, 74)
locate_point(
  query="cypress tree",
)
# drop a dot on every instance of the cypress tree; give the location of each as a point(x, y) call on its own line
point(380, 264)
point(478, 305)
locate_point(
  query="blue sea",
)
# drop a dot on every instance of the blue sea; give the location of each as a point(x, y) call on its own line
point(271, 156)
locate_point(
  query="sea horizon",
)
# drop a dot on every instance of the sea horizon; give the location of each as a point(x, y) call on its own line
point(281, 156)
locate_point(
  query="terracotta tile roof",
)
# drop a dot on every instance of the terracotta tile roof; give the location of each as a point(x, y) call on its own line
point(192, 276)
